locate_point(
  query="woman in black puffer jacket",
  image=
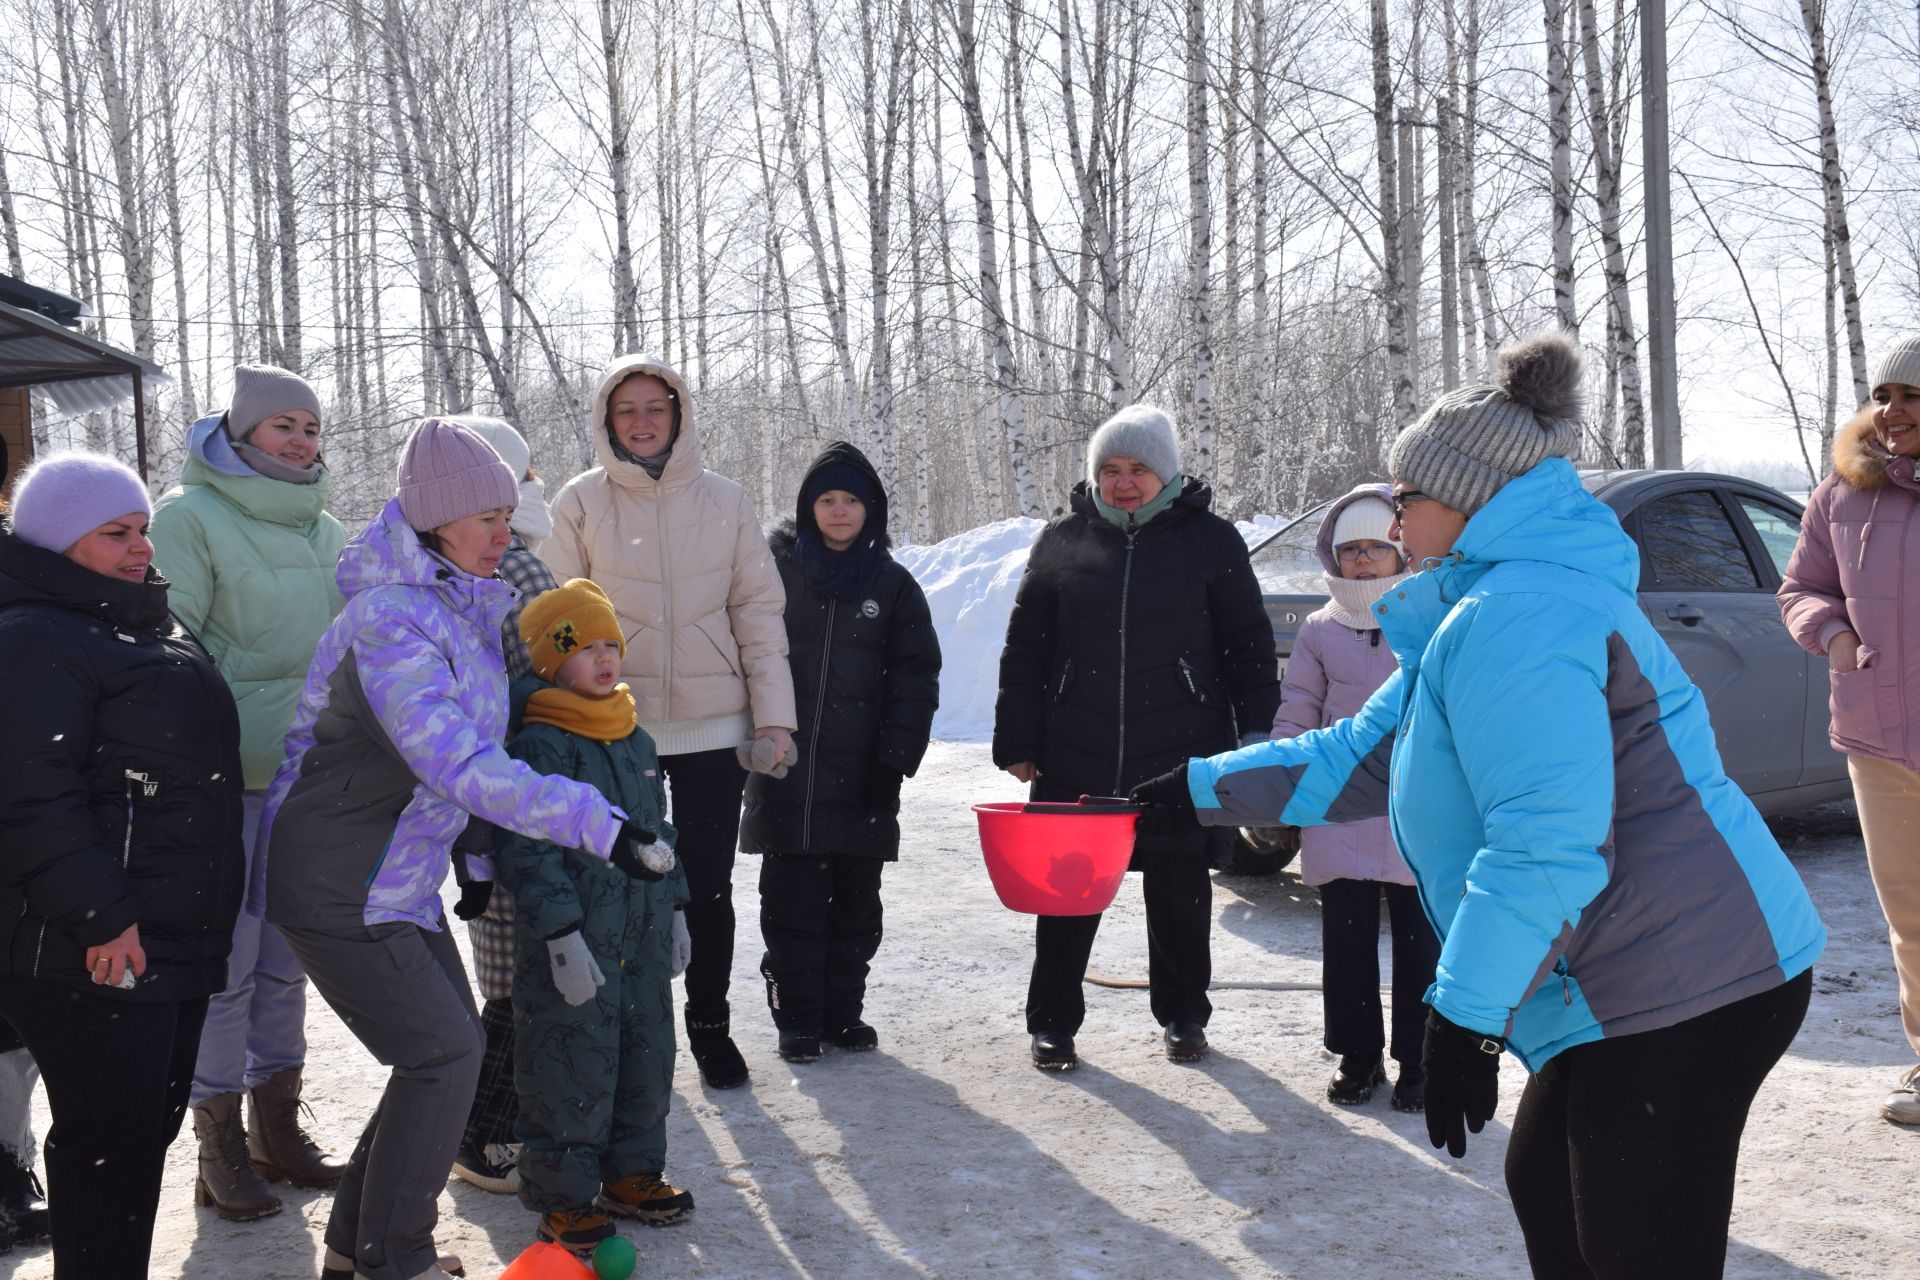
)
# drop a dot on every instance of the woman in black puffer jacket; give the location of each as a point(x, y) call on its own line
point(1137, 635)
point(120, 854)
point(866, 681)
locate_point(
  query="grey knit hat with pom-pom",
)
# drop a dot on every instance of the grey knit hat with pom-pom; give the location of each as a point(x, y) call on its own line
point(1473, 440)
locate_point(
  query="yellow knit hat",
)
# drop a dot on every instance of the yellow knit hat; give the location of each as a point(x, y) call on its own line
point(559, 623)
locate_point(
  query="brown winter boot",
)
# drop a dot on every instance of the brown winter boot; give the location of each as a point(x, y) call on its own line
point(279, 1148)
point(226, 1180)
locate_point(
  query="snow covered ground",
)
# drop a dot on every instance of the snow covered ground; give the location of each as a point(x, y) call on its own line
point(946, 1155)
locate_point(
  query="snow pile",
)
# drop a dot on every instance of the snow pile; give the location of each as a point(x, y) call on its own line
point(970, 579)
point(1260, 526)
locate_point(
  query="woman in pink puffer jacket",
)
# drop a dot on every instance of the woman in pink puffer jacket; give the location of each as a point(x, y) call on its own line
point(1849, 595)
point(1338, 660)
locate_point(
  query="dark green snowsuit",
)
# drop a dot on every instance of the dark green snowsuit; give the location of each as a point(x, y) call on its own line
point(595, 1080)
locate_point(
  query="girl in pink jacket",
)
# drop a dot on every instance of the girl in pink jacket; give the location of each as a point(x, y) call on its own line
point(1338, 660)
point(1847, 596)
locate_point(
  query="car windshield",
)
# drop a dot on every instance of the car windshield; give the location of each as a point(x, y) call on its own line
point(1287, 564)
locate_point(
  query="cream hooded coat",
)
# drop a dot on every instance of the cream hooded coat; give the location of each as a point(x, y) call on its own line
point(686, 565)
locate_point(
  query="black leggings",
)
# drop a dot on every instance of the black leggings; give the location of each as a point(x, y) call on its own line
point(705, 798)
point(1622, 1158)
point(118, 1073)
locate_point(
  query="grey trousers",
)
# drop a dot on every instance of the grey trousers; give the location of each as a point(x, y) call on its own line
point(403, 993)
point(18, 1075)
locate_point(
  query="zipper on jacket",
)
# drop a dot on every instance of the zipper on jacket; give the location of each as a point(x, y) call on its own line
point(1566, 981)
point(1193, 690)
point(1066, 678)
point(147, 787)
point(1126, 586)
point(813, 739)
point(39, 944)
point(666, 597)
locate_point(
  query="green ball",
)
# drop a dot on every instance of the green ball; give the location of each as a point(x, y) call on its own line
point(613, 1258)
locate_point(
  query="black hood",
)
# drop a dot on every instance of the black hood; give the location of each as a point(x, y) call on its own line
point(34, 575)
point(840, 453)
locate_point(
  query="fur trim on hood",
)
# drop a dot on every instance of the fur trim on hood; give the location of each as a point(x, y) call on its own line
point(1858, 455)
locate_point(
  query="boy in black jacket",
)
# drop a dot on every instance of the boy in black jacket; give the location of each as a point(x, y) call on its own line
point(866, 680)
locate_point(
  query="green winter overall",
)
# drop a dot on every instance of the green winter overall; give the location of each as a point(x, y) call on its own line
point(595, 1080)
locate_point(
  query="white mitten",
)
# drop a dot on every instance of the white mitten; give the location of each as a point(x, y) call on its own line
point(657, 857)
point(763, 755)
point(682, 948)
point(576, 976)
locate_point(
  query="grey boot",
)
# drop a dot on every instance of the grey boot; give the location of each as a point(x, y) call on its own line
point(227, 1179)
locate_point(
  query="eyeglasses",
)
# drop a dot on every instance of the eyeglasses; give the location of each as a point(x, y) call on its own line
point(1371, 552)
point(1402, 500)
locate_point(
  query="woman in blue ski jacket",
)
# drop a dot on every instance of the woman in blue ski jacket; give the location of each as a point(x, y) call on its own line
point(1612, 908)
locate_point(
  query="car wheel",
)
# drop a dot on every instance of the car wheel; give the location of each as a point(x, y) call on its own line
point(1262, 851)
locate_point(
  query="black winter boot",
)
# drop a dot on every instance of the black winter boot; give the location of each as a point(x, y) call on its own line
point(720, 1063)
point(798, 1046)
point(1354, 1080)
point(21, 1220)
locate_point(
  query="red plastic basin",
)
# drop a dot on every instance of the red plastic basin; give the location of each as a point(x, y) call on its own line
point(1055, 859)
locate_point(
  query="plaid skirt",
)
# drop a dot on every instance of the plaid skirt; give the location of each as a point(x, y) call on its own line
point(492, 938)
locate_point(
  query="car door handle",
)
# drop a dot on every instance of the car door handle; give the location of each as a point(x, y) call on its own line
point(1686, 615)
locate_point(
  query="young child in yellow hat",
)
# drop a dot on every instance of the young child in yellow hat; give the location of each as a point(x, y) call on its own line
point(595, 946)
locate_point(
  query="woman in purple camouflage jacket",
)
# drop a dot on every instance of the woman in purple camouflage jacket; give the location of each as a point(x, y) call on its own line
point(395, 749)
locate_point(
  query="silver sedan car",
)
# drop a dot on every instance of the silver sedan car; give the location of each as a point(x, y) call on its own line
point(1712, 549)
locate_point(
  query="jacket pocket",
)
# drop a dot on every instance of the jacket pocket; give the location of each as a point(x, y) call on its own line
point(1062, 683)
point(1854, 704)
point(1197, 690)
point(724, 646)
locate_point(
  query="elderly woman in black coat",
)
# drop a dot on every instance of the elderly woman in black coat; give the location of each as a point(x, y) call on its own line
point(120, 853)
point(1137, 634)
point(866, 682)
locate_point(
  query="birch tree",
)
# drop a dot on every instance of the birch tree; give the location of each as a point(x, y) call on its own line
point(1386, 156)
point(998, 335)
point(1622, 344)
point(1200, 197)
point(1833, 185)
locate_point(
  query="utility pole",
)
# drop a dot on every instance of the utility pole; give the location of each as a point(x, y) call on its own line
point(1665, 377)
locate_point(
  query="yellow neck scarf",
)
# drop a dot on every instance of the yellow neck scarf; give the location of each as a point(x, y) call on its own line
point(605, 719)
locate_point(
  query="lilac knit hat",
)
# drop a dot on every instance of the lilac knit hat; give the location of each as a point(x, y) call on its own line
point(65, 496)
point(447, 472)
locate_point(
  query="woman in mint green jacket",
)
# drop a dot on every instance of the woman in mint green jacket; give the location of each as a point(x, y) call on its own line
point(249, 550)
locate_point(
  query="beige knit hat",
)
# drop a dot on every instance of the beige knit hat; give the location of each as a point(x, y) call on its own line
point(1901, 364)
point(1475, 439)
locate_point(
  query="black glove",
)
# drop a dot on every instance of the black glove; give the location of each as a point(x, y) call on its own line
point(1463, 1081)
point(474, 896)
point(626, 851)
point(1169, 805)
point(883, 787)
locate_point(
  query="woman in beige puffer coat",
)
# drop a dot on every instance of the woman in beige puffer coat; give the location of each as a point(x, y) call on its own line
point(680, 552)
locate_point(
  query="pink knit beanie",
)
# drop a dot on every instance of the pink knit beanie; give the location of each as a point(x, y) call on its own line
point(447, 472)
